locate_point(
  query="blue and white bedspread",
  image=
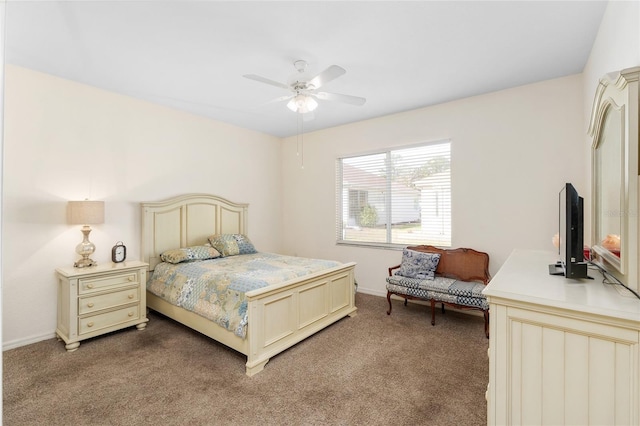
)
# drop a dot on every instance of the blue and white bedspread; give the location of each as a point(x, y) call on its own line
point(215, 288)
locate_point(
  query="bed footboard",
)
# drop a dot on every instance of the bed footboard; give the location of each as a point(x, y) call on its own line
point(281, 316)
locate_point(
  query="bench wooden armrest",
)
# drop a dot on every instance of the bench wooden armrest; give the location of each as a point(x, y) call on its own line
point(392, 268)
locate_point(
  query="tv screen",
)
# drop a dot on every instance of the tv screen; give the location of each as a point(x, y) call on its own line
point(571, 234)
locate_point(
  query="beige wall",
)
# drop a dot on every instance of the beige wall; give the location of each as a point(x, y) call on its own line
point(2, 19)
point(508, 151)
point(67, 141)
point(616, 47)
point(511, 152)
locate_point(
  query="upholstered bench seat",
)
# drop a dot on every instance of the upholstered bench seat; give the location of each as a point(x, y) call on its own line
point(454, 277)
point(441, 290)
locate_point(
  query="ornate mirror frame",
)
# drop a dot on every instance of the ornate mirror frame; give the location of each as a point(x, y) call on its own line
point(615, 176)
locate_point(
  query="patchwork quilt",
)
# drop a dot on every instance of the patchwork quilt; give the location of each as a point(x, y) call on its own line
point(215, 288)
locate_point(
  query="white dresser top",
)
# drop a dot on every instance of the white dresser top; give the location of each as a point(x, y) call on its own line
point(525, 277)
point(70, 271)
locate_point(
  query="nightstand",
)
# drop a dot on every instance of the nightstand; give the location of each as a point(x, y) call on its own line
point(100, 299)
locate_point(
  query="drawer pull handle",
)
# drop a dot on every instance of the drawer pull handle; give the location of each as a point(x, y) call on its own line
point(89, 285)
point(90, 324)
point(130, 314)
point(130, 278)
point(131, 296)
point(90, 305)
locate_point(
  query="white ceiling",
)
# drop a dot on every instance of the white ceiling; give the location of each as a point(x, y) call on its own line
point(400, 55)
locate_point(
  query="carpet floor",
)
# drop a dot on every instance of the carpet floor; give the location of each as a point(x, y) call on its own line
point(372, 369)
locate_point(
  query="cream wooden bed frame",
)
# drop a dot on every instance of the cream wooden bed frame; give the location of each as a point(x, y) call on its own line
point(280, 315)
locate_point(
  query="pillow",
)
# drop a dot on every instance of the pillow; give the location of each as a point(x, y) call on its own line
point(188, 254)
point(232, 244)
point(417, 264)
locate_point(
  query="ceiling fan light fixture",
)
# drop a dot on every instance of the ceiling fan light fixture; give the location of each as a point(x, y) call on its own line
point(304, 95)
point(302, 104)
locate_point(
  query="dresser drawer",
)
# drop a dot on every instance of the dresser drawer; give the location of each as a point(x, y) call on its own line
point(103, 282)
point(93, 303)
point(108, 319)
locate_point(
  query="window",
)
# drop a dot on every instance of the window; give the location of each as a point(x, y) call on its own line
point(396, 198)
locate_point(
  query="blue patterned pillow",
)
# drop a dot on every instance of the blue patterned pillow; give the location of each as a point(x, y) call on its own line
point(417, 264)
point(232, 244)
point(188, 254)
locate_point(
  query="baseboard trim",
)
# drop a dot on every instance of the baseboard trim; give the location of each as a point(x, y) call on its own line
point(372, 292)
point(26, 341)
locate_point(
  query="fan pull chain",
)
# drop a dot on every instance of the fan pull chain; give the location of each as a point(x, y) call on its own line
point(300, 140)
point(297, 135)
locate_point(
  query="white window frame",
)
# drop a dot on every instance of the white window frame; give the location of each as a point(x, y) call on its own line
point(437, 231)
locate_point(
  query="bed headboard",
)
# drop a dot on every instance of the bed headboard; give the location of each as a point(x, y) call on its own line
point(187, 220)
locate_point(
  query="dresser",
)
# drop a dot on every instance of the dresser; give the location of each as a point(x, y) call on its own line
point(561, 351)
point(101, 299)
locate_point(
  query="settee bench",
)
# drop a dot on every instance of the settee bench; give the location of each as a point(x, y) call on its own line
point(458, 280)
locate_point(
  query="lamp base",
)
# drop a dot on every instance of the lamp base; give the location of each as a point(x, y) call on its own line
point(85, 263)
point(85, 249)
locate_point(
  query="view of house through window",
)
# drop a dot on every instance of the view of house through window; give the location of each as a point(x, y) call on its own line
point(396, 197)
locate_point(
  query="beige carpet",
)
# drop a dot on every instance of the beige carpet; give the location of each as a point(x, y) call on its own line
point(367, 370)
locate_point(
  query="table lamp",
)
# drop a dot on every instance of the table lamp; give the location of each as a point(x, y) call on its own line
point(85, 213)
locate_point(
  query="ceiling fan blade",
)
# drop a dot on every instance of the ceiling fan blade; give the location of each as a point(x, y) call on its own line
point(279, 99)
point(348, 99)
point(326, 76)
point(266, 80)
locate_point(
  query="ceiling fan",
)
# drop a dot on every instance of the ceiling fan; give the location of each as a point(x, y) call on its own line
point(304, 90)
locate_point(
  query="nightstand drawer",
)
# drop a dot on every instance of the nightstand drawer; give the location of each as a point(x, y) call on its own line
point(93, 284)
point(108, 319)
point(88, 304)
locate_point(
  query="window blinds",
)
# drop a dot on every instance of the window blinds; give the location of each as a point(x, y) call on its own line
point(395, 197)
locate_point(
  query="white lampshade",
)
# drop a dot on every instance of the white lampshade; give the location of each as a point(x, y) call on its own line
point(85, 212)
point(302, 104)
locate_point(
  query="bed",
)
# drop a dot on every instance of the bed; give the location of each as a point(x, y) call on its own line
point(278, 315)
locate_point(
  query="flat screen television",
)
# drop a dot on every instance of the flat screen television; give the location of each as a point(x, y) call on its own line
point(571, 235)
